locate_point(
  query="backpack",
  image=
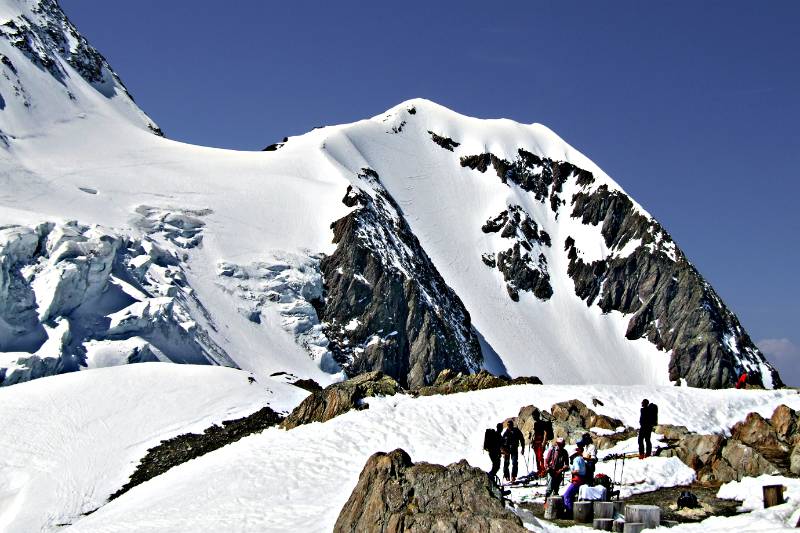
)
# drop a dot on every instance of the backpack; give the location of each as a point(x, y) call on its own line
point(491, 440)
point(653, 411)
point(688, 499)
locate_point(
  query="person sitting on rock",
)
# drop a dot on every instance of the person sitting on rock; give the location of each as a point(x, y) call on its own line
point(542, 432)
point(578, 478)
point(556, 462)
point(491, 443)
point(513, 440)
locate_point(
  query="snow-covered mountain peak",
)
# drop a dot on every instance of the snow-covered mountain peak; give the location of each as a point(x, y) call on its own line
point(50, 74)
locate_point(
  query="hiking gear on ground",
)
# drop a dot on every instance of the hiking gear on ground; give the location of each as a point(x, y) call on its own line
point(688, 499)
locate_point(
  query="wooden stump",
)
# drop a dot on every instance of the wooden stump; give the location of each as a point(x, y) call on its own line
point(555, 508)
point(604, 510)
point(619, 526)
point(633, 527)
point(582, 512)
point(773, 495)
point(649, 515)
point(603, 524)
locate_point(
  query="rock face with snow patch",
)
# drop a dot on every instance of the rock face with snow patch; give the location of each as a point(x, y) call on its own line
point(386, 306)
point(393, 495)
point(645, 276)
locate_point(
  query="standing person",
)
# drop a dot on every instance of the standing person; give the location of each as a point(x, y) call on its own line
point(542, 432)
point(742, 382)
point(578, 468)
point(513, 440)
point(556, 462)
point(589, 455)
point(491, 443)
point(646, 424)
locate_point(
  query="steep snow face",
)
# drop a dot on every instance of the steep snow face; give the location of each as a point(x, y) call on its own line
point(117, 245)
point(69, 79)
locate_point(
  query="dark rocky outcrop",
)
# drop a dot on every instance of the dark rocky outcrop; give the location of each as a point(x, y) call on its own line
point(668, 301)
point(385, 305)
point(339, 398)
point(395, 495)
point(450, 382)
point(523, 265)
point(445, 142)
point(178, 450)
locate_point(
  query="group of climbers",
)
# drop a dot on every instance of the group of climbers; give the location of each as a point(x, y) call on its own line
point(554, 461)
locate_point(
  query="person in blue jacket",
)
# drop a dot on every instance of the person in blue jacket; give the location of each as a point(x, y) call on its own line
point(578, 478)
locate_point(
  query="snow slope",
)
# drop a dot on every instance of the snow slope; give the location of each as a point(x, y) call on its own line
point(141, 248)
point(70, 441)
point(299, 480)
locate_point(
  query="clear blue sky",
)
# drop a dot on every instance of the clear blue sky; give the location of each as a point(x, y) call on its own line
point(691, 106)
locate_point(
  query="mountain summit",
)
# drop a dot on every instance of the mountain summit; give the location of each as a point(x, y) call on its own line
point(414, 241)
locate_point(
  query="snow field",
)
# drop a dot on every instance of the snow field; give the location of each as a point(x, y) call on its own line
point(299, 480)
point(70, 441)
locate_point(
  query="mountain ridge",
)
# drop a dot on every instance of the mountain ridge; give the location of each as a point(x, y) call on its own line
point(488, 239)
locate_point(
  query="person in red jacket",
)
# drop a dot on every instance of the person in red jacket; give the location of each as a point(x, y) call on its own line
point(742, 383)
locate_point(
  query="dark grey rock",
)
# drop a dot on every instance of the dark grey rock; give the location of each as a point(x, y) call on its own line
point(385, 305)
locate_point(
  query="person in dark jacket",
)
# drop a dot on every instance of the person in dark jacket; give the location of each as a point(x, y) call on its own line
point(491, 443)
point(646, 424)
point(513, 440)
point(542, 432)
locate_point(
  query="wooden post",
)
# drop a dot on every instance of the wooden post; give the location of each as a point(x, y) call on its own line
point(619, 526)
point(649, 515)
point(633, 527)
point(603, 524)
point(773, 495)
point(582, 512)
point(555, 508)
point(604, 510)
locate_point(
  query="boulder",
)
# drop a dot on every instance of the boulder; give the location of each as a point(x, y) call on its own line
point(784, 421)
point(449, 382)
point(736, 461)
point(339, 398)
point(395, 495)
point(757, 433)
point(576, 413)
point(794, 459)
